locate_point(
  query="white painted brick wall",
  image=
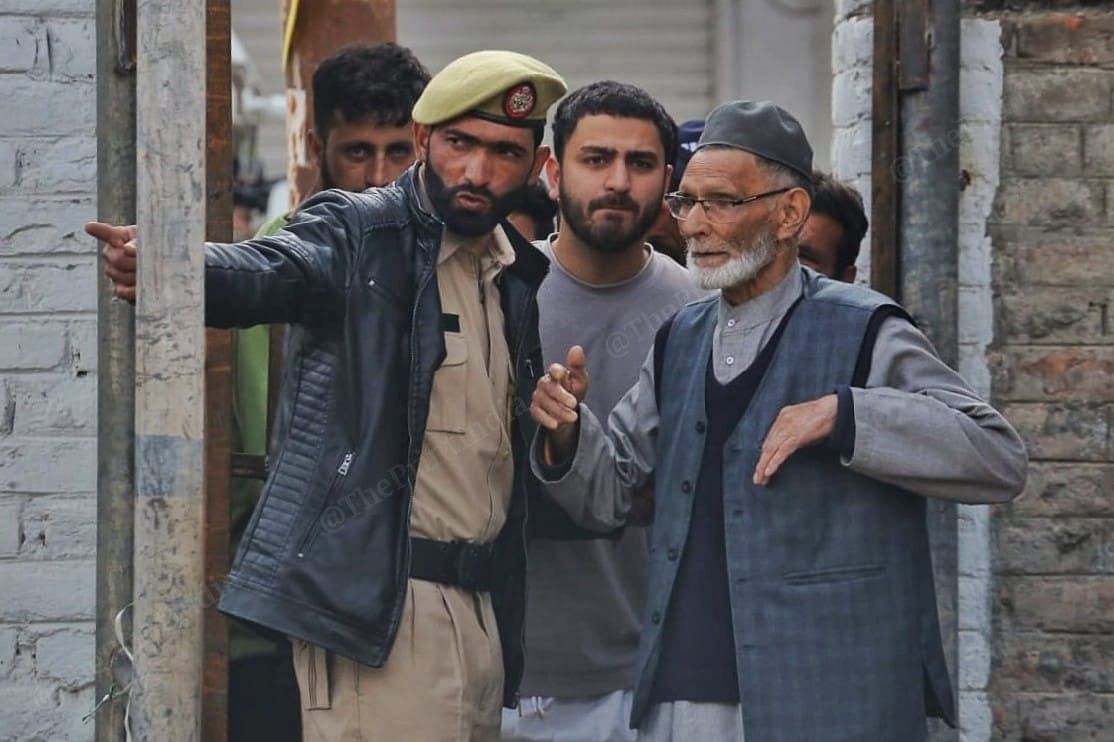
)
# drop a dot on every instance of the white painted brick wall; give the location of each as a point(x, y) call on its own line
point(47, 368)
point(979, 147)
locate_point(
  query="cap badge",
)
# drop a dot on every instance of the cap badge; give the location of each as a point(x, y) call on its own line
point(519, 101)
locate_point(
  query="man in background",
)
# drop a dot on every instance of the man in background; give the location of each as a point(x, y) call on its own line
point(362, 97)
point(835, 228)
point(664, 235)
point(534, 217)
point(608, 289)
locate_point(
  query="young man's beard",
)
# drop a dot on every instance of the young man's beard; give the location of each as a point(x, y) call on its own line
point(736, 270)
point(609, 236)
point(469, 223)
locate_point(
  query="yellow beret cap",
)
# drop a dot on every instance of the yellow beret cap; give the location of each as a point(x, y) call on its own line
point(505, 87)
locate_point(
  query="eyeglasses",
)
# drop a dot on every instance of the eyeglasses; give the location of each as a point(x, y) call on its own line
point(716, 210)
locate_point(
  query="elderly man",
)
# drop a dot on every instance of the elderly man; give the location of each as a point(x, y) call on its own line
point(793, 427)
point(389, 540)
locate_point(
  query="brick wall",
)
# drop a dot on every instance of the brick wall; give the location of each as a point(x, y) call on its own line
point(1053, 372)
point(47, 368)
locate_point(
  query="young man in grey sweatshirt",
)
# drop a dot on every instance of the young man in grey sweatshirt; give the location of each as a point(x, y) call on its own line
point(609, 291)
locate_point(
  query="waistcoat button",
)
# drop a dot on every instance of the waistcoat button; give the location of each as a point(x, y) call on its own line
point(686, 486)
point(700, 428)
point(655, 618)
point(673, 555)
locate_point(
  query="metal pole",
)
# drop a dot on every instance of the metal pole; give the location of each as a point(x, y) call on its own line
point(929, 177)
point(115, 361)
point(169, 420)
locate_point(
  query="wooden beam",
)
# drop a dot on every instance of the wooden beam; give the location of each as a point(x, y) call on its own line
point(322, 27)
point(885, 215)
point(169, 419)
point(219, 154)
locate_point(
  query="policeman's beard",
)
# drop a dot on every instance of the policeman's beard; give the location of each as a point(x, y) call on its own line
point(737, 270)
point(469, 223)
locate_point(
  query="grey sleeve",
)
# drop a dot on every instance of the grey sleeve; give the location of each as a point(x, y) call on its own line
point(920, 426)
point(595, 488)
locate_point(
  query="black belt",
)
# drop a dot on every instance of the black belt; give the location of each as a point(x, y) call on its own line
point(464, 565)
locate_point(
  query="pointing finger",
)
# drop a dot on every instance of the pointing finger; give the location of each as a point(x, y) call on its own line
point(109, 233)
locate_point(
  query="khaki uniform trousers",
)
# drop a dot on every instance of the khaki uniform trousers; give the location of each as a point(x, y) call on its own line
point(443, 681)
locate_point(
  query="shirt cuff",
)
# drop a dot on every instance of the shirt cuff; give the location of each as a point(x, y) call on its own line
point(542, 469)
point(842, 438)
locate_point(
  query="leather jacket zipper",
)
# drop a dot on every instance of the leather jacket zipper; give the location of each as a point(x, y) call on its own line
point(315, 526)
point(412, 470)
point(525, 483)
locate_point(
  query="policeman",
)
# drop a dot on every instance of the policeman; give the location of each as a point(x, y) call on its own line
point(388, 542)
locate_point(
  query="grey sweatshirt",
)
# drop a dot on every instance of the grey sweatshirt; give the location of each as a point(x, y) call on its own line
point(918, 424)
point(585, 597)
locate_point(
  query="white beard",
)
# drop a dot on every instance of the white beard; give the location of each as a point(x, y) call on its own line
point(737, 270)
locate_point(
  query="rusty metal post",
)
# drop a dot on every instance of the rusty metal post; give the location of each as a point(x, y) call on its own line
point(929, 181)
point(218, 369)
point(320, 28)
point(115, 362)
point(170, 358)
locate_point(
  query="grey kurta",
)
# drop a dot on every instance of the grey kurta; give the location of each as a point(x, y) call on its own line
point(918, 424)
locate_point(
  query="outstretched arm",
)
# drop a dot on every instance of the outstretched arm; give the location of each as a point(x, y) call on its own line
point(280, 278)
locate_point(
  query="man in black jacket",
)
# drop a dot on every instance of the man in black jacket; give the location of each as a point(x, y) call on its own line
point(389, 542)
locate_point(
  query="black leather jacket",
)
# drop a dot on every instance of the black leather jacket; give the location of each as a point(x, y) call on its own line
point(326, 555)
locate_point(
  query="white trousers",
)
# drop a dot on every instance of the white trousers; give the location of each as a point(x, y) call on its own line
point(682, 721)
point(596, 719)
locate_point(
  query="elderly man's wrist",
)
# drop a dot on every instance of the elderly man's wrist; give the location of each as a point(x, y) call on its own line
point(842, 438)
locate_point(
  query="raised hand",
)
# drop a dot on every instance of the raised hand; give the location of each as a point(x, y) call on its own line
point(797, 426)
point(119, 256)
point(556, 398)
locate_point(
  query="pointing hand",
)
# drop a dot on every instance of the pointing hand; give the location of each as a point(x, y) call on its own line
point(119, 256)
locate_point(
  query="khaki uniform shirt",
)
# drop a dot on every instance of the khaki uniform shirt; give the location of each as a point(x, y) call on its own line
point(466, 472)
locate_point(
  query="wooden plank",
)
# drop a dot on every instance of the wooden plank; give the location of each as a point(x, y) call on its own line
point(169, 512)
point(322, 27)
point(219, 154)
point(885, 264)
